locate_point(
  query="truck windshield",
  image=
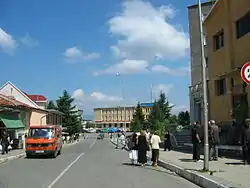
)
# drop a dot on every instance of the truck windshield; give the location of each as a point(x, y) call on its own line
point(41, 133)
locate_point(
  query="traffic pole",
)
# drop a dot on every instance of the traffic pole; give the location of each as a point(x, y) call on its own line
point(205, 104)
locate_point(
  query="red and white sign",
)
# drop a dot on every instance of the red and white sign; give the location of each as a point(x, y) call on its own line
point(245, 73)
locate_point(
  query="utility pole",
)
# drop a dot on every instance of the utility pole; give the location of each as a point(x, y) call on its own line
point(205, 104)
point(122, 95)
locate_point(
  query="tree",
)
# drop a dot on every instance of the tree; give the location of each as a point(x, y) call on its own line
point(160, 115)
point(138, 122)
point(51, 105)
point(70, 118)
point(90, 125)
point(184, 118)
point(173, 119)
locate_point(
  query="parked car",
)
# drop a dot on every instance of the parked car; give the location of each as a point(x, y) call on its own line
point(100, 136)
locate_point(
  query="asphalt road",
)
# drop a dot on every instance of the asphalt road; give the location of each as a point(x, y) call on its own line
point(91, 163)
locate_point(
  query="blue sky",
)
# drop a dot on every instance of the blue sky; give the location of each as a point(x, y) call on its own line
point(47, 46)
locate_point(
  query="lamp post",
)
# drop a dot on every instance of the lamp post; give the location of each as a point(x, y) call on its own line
point(123, 118)
point(206, 146)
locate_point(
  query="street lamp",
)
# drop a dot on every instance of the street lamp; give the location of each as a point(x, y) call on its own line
point(206, 146)
point(122, 96)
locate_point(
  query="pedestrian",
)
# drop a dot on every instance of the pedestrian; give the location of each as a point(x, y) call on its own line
point(142, 148)
point(148, 135)
point(155, 143)
point(133, 147)
point(196, 132)
point(4, 143)
point(246, 143)
point(214, 140)
point(167, 141)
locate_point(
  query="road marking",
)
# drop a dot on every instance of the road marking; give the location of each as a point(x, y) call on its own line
point(65, 170)
point(93, 144)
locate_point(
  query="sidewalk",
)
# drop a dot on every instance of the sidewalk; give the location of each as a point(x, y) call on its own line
point(223, 173)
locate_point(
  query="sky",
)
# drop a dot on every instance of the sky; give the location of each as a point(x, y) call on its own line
point(103, 54)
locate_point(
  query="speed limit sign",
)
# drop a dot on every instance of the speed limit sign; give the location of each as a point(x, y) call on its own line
point(245, 73)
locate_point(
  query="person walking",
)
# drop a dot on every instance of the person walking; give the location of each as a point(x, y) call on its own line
point(4, 143)
point(142, 148)
point(196, 141)
point(167, 141)
point(155, 143)
point(133, 146)
point(246, 144)
point(214, 141)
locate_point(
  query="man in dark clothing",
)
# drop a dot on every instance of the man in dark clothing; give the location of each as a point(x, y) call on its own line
point(196, 141)
point(214, 140)
point(167, 141)
point(246, 143)
point(4, 143)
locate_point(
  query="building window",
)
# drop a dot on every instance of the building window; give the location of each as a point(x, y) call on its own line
point(243, 26)
point(219, 40)
point(220, 87)
point(206, 59)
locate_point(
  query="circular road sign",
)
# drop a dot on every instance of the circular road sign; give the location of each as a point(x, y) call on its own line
point(245, 73)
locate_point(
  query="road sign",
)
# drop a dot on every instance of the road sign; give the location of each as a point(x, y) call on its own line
point(245, 73)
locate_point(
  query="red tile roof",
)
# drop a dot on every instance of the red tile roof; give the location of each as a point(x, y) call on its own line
point(37, 98)
point(11, 102)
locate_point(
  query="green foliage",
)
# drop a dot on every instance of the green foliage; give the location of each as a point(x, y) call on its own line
point(173, 119)
point(90, 125)
point(138, 123)
point(71, 119)
point(184, 118)
point(160, 115)
point(51, 105)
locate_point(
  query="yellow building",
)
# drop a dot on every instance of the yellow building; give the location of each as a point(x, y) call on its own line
point(118, 116)
point(228, 41)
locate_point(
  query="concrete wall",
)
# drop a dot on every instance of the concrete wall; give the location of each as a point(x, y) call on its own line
point(38, 118)
point(223, 63)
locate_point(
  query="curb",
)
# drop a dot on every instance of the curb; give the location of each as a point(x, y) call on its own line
point(12, 157)
point(193, 177)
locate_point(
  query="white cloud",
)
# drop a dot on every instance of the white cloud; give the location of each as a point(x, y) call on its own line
point(78, 94)
point(28, 41)
point(144, 32)
point(94, 100)
point(76, 54)
point(181, 71)
point(165, 88)
point(7, 42)
point(178, 108)
point(125, 67)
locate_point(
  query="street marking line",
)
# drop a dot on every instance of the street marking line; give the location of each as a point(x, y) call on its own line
point(93, 144)
point(65, 170)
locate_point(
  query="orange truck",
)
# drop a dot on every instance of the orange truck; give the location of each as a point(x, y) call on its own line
point(44, 140)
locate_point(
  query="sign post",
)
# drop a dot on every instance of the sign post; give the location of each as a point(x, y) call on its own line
point(245, 73)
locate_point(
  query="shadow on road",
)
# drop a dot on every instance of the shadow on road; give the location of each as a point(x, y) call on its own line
point(236, 163)
point(186, 160)
point(150, 167)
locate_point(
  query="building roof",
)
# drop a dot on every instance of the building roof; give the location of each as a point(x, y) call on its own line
point(203, 4)
point(149, 104)
point(37, 98)
point(21, 92)
point(11, 102)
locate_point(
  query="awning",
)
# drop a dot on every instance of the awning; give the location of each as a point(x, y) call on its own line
point(11, 121)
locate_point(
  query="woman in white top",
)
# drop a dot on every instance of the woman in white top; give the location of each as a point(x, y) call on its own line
point(155, 143)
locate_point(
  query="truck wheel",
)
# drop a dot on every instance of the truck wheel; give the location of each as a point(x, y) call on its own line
point(54, 154)
point(28, 155)
point(60, 151)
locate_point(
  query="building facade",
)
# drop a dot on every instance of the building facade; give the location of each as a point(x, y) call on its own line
point(228, 33)
point(119, 116)
point(196, 88)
